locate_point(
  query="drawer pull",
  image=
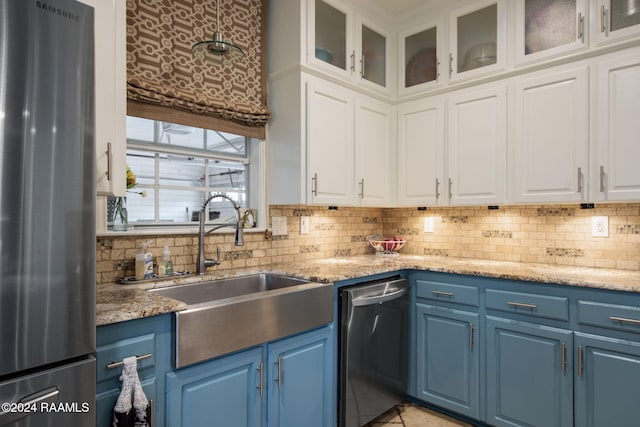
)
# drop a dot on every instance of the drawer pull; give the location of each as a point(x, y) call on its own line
point(563, 358)
point(522, 305)
point(441, 293)
point(624, 319)
point(580, 361)
point(118, 364)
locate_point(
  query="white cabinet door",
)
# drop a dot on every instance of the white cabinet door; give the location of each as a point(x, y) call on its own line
point(330, 146)
point(374, 154)
point(421, 153)
point(420, 53)
point(549, 156)
point(616, 170)
point(616, 20)
point(110, 96)
point(477, 146)
point(373, 56)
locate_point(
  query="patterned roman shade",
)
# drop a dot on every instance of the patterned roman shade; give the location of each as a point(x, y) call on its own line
point(164, 81)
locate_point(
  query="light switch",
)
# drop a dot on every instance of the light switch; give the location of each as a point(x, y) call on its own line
point(600, 226)
point(279, 225)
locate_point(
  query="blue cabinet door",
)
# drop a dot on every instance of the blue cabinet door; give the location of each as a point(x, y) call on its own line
point(529, 374)
point(448, 358)
point(607, 378)
point(223, 392)
point(301, 385)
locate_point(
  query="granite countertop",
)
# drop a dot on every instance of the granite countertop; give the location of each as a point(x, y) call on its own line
point(116, 303)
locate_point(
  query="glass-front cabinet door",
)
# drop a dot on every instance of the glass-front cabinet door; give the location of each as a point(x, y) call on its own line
point(477, 39)
point(419, 58)
point(618, 19)
point(373, 55)
point(548, 28)
point(330, 37)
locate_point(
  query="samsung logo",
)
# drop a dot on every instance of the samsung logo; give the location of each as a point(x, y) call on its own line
point(60, 12)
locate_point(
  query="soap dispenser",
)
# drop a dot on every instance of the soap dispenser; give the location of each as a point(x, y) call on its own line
point(144, 262)
point(166, 266)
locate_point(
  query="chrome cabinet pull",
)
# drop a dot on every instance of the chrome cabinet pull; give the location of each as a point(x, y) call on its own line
point(563, 358)
point(314, 185)
point(522, 305)
point(450, 189)
point(602, 188)
point(450, 64)
point(442, 293)
point(121, 363)
point(581, 26)
point(437, 189)
point(279, 376)
point(624, 320)
point(152, 408)
point(361, 183)
point(580, 180)
point(603, 19)
point(353, 61)
point(471, 329)
point(362, 67)
point(580, 361)
point(260, 385)
point(437, 68)
point(109, 161)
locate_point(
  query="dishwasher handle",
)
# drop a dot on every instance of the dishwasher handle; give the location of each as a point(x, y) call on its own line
point(378, 299)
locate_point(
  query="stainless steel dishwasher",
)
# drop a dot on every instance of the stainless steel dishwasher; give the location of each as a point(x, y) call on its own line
point(374, 321)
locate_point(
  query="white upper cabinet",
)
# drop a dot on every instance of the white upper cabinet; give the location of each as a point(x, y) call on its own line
point(617, 20)
point(477, 39)
point(477, 146)
point(546, 29)
point(421, 144)
point(348, 45)
point(616, 152)
point(550, 145)
point(420, 52)
point(110, 97)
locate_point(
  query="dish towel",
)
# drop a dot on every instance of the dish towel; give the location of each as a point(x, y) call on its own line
point(132, 407)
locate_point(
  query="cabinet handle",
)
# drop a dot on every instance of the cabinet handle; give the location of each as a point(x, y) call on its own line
point(603, 19)
point(314, 185)
point(625, 320)
point(109, 161)
point(437, 68)
point(450, 64)
point(602, 179)
point(279, 376)
point(581, 26)
point(121, 363)
point(522, 305)
point(437, 189)
point(471, 329)
point(580, 361)
point(361, 183)
point(444, 294)
point(563, 358)
point(450, 189)
point(152, 408)
point(353, 61)
point(580, 181)
point(362, 67)
point(260, 385)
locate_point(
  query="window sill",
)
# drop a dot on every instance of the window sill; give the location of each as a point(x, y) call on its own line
point(167, 231)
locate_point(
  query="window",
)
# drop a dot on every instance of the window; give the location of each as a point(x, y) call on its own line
point(178, 167)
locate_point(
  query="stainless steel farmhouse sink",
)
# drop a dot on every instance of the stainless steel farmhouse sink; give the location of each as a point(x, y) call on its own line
point(226, 315)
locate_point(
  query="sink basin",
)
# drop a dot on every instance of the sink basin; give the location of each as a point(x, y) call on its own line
point(227, 315)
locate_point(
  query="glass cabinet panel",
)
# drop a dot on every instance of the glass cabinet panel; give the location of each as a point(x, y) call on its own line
point(373, 60)
point(421, 61)
point(330, 35)
point(477, 36)
point(624, 14)
point(549, 24)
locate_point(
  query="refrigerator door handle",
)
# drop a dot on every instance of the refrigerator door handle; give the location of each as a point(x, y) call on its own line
point(27, 405)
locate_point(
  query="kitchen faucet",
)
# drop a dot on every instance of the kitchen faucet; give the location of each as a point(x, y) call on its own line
point(203, 263)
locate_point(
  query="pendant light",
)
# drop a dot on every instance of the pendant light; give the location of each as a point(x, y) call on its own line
point(217, 50)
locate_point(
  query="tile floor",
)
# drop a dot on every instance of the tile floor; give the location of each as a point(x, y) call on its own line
point(410, 415)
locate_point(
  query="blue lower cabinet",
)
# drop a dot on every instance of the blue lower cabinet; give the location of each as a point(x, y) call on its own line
point(222, 392)
point(607, 379)
point(148, 338)
point(448, 359)
point(529, 374)
point(285, 383)
point(301, 385)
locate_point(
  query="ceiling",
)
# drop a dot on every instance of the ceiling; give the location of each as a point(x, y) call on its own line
point(400, 7)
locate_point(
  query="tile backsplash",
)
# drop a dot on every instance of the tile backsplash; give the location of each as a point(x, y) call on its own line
point(545, 234)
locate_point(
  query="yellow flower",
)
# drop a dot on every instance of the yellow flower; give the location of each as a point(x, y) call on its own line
point(131, 178)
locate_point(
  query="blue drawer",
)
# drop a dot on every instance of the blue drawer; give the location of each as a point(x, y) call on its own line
point(611, 316)
point(447, 292)
point(544, 306)
point(118, 350)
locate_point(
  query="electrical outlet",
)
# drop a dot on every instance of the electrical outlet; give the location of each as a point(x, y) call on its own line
point(428, 224)
point(279, 225)
point(304, 225)
point(600, 226)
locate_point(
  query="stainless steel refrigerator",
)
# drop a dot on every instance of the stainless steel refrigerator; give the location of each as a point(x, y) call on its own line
point(47, 204)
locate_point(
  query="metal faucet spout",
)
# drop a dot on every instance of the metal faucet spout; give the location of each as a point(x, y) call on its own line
point(202, 263)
